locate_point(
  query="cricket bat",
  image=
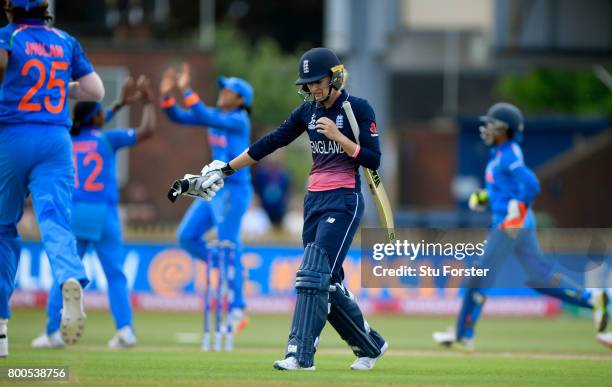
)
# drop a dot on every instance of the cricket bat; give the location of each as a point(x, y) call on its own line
point(383, 206)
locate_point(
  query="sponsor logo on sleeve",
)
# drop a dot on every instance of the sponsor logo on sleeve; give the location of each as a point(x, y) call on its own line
point(373, 129)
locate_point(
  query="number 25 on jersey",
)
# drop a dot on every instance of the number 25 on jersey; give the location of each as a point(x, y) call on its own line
point(52, 82)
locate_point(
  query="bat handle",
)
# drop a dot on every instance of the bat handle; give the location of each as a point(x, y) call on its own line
point(178, 187)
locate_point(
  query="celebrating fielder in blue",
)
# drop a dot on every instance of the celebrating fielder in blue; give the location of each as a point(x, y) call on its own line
point(95, 213)
point(229, 128)
point(333, 208)
point(511, 188)
point(37, 64)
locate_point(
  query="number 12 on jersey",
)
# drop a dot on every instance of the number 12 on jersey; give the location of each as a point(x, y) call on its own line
point(90, 185)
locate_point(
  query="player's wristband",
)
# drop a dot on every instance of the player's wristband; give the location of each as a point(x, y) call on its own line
point(167, 102)
point(227, 170)
point(190, 98)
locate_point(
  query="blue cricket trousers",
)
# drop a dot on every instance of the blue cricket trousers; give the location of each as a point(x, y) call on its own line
point(36, 160)
point(331, 219)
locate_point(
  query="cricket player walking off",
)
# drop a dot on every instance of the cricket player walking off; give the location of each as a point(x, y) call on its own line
point(95, 212)
point(511, 188)
point(333, 208)
point(37, 64)
point(229, 130)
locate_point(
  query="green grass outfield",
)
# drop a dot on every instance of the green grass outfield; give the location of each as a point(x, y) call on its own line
point(559, 351)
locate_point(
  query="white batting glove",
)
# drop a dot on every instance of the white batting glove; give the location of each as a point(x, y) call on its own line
point(213, 173)
point(201, 187)
point(213, 176)
point(195, 186)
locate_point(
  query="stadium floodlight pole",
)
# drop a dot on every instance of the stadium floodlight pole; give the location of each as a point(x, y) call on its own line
point(603, 75)
point(207, 24)
point(51, 7)
point(161, 10)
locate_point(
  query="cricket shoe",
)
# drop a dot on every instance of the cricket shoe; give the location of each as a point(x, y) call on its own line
point(123, 339)
point(449, 339)
point(291, 364)
point(367, 363)
point(3, 338)
point(239, 320)
point(54, 340)
point(73, 314)
point(605, 339)
point(599, 300)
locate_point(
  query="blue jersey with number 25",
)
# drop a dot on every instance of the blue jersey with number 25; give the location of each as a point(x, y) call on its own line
point(42, 61)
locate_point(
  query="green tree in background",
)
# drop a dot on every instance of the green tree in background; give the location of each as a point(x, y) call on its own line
point(272, 75)
point(563, 91)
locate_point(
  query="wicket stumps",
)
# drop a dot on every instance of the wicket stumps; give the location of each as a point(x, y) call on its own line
point(222, 255)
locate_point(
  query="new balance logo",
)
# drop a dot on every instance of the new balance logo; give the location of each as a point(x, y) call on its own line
point(305, 67)
point(291, 348)
point(330, 220)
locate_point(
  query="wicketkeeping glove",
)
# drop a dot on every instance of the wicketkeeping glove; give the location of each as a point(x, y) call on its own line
point(479, 200)
point(515, 216)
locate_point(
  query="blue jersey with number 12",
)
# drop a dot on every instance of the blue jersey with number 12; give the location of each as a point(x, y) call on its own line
point(43, 60)
point(95, 177)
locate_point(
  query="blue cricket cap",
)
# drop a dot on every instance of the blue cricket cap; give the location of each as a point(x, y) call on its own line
point(238, 86)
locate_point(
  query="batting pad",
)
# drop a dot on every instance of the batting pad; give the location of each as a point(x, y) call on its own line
point(347, 319)
point(312, 285)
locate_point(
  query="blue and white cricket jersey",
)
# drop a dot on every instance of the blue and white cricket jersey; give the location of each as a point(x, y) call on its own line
point(43, 61)
point(94, 151)
point(507, 177)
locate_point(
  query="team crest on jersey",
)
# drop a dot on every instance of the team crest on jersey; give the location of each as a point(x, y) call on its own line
point(373, 129)
point(340, 121)
point(489, 176)
point(313, 123)
point(305, 66)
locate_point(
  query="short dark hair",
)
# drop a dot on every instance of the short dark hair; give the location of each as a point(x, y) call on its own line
point(82, 115)
point(20, 13)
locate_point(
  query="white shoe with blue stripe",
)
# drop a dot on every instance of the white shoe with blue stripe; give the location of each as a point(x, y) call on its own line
point(448, 339)
point(291, 364)
point(3, 337)
point(367, 363)
point(54, 340)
